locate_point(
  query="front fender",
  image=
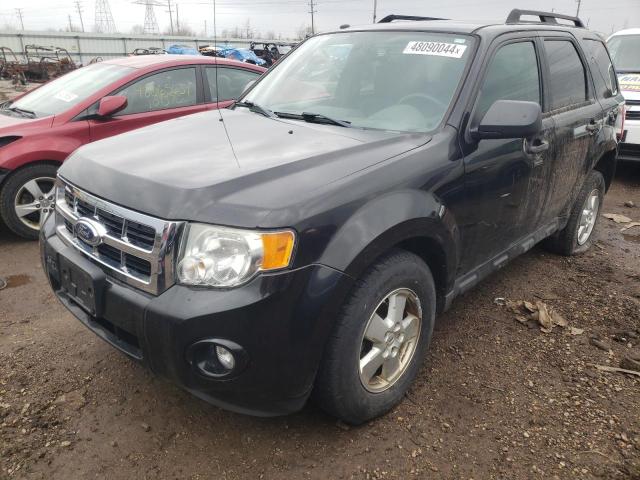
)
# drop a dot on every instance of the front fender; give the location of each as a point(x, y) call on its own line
point(387, 221)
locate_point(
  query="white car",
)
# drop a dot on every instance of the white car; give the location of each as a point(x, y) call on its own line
point(625, 50)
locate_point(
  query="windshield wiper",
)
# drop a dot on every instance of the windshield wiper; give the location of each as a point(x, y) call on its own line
point(254, 107)
point(21, 111)
point(314, 118)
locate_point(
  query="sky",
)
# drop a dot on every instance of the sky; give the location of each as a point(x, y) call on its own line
point(288, 16)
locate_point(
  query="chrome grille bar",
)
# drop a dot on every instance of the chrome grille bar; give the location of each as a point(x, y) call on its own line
point(147, 264)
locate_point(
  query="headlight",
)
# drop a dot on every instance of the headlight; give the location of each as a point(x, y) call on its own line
point(226, 257)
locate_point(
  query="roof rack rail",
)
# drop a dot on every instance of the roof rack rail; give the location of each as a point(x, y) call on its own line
point(545, 17)
point(393, 18)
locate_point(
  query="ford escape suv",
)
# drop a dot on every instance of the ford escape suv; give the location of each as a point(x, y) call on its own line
point(300, 243)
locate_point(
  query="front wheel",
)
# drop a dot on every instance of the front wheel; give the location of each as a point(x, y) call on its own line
point(577, 236)
point(27, 198)
point(379, 340)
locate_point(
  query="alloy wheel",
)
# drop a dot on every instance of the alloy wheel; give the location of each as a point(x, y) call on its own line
point(34, 201)
point(390, 340)
point(588, 216)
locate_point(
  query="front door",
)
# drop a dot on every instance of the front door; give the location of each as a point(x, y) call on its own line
point(154, 98)
point(505, 179)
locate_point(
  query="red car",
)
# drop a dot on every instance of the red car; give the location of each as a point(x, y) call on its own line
point(42, 127)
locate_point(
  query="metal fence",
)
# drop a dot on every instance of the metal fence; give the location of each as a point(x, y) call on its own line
point(84, 46)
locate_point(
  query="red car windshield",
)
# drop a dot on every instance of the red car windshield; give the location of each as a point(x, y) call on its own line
point(65, 92)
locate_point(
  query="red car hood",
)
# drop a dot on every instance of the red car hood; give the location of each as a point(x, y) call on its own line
point(9, 125)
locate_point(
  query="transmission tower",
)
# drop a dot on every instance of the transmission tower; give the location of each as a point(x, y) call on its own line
point(104, 19)
point(150, 22)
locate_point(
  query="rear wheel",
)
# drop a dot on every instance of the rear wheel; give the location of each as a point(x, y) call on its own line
point(27, 198)
point(379, 340)
point(577, 236)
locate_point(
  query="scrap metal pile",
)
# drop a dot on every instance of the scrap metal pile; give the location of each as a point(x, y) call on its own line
point(36, 64)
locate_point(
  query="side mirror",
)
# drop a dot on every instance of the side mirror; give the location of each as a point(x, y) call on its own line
point(111, 105)
point(510, 119)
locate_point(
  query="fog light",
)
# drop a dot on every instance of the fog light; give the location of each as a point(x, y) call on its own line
point(225, 357)
point(216, 357)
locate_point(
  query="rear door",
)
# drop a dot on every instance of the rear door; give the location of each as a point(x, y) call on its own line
point(223, 85)
point(577, 115)
point(153, 98)
point(505, 180)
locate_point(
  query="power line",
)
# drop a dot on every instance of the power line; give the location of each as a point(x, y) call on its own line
point(79, 8)
point(104, 20)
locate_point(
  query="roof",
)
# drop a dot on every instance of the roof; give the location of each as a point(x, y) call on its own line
point(145, 61)
point(455, 26)
point(431, 25)
point(628, 31)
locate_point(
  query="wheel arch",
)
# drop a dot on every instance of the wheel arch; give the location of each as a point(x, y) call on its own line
point(607, 166)
point(55, 163)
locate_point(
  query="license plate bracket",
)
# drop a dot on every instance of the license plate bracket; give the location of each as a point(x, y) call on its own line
point(83, 287)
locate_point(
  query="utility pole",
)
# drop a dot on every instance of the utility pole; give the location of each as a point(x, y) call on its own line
point(79, 8)
point(178, 18)
point(70, 24)
point(19, 13)
point(312, 11)
point(375, 10)
point(170, 15)
point(578, 11)
point(205, 29)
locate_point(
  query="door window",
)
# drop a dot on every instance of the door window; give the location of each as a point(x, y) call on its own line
point(603, 71)
point(230, 84)
point(568, 81)
point(513, 74)
point(167, 89)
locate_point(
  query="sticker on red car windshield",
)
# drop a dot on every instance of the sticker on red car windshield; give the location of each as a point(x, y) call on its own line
point(439, 49)
point(65, 96)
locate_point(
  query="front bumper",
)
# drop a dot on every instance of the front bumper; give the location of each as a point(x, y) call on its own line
point(281, 321)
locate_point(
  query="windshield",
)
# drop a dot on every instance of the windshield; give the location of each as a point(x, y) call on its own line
point(67, 91)
point(383, 80)
point(625, 51)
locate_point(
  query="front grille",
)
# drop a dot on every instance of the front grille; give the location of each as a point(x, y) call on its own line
point(135, 248)
point(629, 150)
point(632, 102)
point(633, 114)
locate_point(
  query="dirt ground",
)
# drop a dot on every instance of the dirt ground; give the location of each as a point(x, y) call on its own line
point(495, 398)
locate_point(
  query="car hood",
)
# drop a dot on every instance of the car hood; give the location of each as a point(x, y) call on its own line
point(12, 125)
point(230, 167)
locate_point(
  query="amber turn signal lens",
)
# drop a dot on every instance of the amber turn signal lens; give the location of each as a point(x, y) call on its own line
point(278, 247)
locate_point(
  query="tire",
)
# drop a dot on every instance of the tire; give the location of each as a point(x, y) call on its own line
point(15, 190)
point(339, 388)
point(570, 241)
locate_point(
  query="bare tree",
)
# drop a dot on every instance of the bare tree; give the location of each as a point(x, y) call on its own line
point(137, 30)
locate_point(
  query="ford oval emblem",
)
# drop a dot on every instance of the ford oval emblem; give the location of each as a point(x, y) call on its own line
point(88, 232)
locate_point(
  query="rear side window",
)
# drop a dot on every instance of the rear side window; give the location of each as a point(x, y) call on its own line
point(167, 89)
point(602, 68)
point(568, 80)
point(231, 82)
point(512, 75)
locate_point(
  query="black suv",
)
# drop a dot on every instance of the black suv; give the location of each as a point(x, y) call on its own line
point(301, 242)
